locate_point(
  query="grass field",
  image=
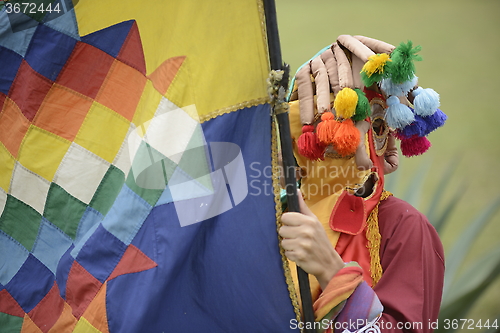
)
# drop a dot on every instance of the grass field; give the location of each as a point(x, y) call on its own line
point(460, 48)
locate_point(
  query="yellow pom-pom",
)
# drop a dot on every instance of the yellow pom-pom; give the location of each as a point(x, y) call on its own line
point(345, 103)
point(375, 64)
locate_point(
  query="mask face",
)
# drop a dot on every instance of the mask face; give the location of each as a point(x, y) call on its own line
point(333, 174)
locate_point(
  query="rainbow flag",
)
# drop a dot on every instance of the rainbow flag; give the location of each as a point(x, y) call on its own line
point(136, 153)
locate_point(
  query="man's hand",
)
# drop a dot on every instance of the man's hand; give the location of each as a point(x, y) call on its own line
point(306, 243)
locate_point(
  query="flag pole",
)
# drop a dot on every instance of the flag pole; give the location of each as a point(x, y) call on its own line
point(276, 63)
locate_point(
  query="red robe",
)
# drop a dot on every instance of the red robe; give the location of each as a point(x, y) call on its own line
point(411, 255)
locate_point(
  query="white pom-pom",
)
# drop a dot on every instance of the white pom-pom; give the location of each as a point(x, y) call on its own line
point(426, 101)
point(397, 89)
point(397, 114)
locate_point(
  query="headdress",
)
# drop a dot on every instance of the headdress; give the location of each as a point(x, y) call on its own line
point(339, 74)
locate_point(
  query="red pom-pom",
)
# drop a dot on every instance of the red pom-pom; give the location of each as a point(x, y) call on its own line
point(347, 138)
point(307, 128)
point(326, 128)
point(416, 145)
point(309, 145)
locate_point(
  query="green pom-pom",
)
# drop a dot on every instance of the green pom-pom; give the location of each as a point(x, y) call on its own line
point(402, 68)
point(368, 81)
point(363, 106)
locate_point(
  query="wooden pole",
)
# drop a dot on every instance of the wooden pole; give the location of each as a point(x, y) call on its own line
point(287, 153)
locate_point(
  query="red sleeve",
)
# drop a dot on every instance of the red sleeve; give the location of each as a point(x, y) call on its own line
point(411, 255)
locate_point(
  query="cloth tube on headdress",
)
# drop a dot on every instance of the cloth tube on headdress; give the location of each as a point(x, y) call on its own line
point(357, 65)
point(331, 67)
point(375, 45)
point(355, 46)
point(306, 94)
point(344, 68)
point(322, 85)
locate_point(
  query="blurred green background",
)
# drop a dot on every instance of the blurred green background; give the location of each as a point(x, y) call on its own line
point(460, 49)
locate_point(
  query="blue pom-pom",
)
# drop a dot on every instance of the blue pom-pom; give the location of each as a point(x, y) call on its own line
point(426, 101)
point(397, 89)
point(434, 121)
point(418, 127)
point(398, 115)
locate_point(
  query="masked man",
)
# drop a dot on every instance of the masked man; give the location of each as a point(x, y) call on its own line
point(376, 262)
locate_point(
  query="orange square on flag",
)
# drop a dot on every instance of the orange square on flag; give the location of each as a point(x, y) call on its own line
point(122, 89)
point(13, 126)
point(63, 111)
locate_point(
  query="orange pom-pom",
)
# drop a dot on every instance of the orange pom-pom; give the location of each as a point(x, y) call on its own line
point(346, 138)
point(309, 145)
point(326, 128)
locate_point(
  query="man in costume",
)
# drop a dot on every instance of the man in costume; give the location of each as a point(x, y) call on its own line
point(347, 106)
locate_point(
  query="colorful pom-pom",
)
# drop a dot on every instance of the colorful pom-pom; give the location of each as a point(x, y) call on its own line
point(398, 134)
point(422, 126)
point(373, 69)
point(398, 115)
point(347, 138)
point(414, 146)
point(363, 106)
point(345, 103)
point(326, 128)
point(391, 87)
point(402, 68)
point(434, 121)
point(309, 145)
point(426, 101)
point(418, 127)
